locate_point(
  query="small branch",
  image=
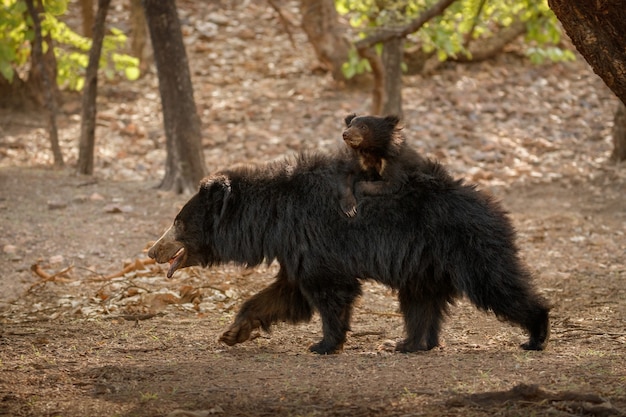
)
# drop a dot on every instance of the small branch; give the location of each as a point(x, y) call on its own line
point(45, 277)
point(414, 26)
point(285, 22)
point(138, 265)
point(470, 34)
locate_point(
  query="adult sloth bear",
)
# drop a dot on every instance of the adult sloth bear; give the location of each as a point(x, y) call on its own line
point(434, 240)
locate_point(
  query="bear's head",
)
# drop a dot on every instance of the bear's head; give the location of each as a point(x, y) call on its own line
point(372, 133)
point(187, 241)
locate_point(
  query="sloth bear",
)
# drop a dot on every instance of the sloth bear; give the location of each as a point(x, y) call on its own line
point(383, 159)
point(434, 240)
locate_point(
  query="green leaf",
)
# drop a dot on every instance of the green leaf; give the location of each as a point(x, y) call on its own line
point(132, 73)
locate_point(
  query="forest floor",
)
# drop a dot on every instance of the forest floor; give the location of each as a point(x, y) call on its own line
point(89, 327)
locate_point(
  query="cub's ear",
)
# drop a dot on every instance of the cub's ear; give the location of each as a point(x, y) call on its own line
point(217, 191)
point(349, 118)
point(392, 120)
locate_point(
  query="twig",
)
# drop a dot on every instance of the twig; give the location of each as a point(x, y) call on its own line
point(134, 266)
point(45, 277)
point(286, 23)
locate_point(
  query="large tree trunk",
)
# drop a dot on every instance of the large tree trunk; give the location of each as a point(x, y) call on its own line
point(185, 161)
point(393, 52)
point(597, 30)
point(321, 25)
point(47, 80)
point(86, 144)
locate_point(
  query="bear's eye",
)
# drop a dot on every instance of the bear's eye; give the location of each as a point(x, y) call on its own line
point(363, 127)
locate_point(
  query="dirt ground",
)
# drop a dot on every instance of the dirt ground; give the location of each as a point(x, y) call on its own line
point(89, 327)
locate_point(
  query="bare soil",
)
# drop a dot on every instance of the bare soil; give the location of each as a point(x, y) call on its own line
point(98, 330)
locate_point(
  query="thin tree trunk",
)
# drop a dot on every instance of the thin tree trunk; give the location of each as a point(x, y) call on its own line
point(185, 165)
point(86, 145)
point(50, 99)
point(619, 133)
point(378, 70)
point(139, 38)
point(393, 53)
point(86, 11)
point(366, 51)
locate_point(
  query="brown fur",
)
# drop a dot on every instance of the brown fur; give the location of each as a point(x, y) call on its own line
point(384, 159)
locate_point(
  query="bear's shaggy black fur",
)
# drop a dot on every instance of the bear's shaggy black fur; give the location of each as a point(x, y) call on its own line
point(384, 159)
point(434, 240)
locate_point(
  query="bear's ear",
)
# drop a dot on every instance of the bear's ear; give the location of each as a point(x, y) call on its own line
point(349, 118)
point(217, 191)
point(392, 120)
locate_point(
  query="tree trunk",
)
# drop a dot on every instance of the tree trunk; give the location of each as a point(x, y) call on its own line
point(597, 30)
point(366, 50)
point(139, 38)
point(86, 11)
point(378, 70)
point(619, 134)
point(48, 82)
point(320, 22)
point(185, 165)
point(393, 52)
point(86, 144)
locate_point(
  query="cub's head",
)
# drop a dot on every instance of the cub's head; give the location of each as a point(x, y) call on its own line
point(188, 241)
point(371, 133)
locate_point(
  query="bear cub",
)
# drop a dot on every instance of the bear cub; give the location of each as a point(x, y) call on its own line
point(383, 158)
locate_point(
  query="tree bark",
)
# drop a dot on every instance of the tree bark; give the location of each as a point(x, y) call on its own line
point(47, 81)
point(378, 70)
point(597, 29)
point(619, 133)
point(393, 53)
point(184, 166)
point(86, 144)
point(139, 38)
point(321, 25)
point(86, 11)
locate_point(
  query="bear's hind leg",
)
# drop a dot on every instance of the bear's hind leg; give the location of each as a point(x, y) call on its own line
point(423, 316)
point(334, 304)
point(281, 301)
point(512, 298)
point(538, 327)
point(424, 309)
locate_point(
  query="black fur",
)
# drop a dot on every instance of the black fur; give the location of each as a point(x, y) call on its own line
point(383, 159)
point(433, 241)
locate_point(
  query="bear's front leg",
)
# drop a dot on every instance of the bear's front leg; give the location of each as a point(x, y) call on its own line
point(240, 330)
point(281, 301)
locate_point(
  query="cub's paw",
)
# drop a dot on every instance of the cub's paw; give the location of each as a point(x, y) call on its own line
point(350, 212)
point(348, 206)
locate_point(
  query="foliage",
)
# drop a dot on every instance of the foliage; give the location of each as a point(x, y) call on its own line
point(70, 49)
point(447, 36)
